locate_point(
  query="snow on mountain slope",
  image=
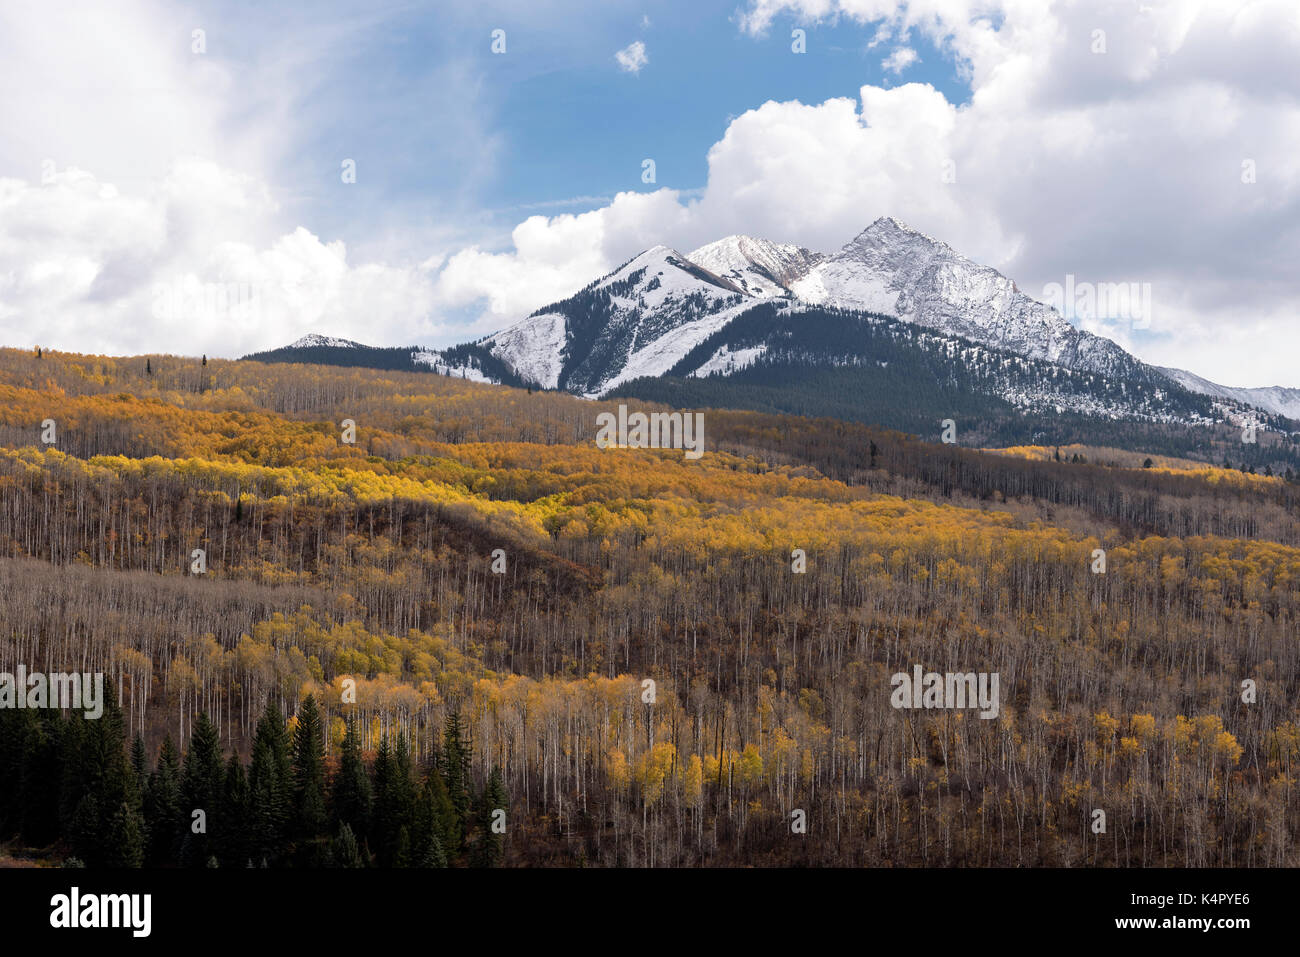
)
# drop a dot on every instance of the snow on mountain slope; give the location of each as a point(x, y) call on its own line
point(656, 357)
point(726, 360)
point(760, 267)
point(314, 340)
point(438, 363)
point(638, 320)
point(892, 269)
point(1277, 399)
point(534, 348)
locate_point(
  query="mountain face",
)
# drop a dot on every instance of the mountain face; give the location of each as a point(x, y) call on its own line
point(758, 267)
point(635, 322)
point(893, 270)
point(896, 320)
point(315, 341)
point(642, 318)
point(1277, 399)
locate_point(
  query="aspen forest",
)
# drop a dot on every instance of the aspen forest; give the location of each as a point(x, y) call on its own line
point(471, 637)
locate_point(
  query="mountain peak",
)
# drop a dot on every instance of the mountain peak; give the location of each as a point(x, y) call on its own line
point(758, 267)
point(890, 226)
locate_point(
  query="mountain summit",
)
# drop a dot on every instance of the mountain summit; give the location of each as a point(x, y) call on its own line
point(892, 269)
point(758, 267)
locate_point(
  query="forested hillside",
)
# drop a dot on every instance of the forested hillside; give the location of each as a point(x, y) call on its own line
point(637, 658)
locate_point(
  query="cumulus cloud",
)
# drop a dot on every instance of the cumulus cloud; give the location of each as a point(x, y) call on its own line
point(632, 57)
point(137, 210)
point(84, 266)
point(899, 60)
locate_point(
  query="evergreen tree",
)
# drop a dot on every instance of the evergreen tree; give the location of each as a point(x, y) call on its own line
point(435, 817)
point(489, 850)
point(344, 850)
point(309, 782)
point(270, 782)
point(380, 823)
point(139, 765)
point(352, 793)
point(100, 784)
point(148, 367)
point(455, 767)
point(394, 803)
point(402, 851)
point(202, 783)
point(42, 774)
point(233, 845)
point(433, 855)
point(125, 839)
point(162, 808)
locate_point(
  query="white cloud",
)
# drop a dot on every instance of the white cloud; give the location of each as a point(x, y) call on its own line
point(85, 267)
point(632, 57)
point(139, 202)
point(899, 60)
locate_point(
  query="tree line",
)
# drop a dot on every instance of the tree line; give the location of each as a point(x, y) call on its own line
point(72, 785)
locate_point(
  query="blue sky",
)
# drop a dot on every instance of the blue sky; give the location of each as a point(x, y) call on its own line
point(557, 125)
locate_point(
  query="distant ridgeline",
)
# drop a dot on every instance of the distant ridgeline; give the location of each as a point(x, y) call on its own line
point(470, 357)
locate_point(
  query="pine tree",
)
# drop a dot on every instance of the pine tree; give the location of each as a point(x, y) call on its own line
point(270, 782)
point(233, 845)
point(433, 855)
point(148, 367)
point(394, 803)
point(309, 777)
point(489, 849)
point(202, 783)
point(99, 783)
point(402, 851)
point(162, 808)
point(344, 850)
point(435, 820)
point(352, 794)
point(140, 765)
point(125, 839)
point(455, 765)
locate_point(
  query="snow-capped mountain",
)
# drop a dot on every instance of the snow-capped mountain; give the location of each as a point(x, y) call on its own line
point(758, 266)
point(641, 319)
point(1275, 398)
point(891, 269)
point(699, 317)
point(637, 321)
